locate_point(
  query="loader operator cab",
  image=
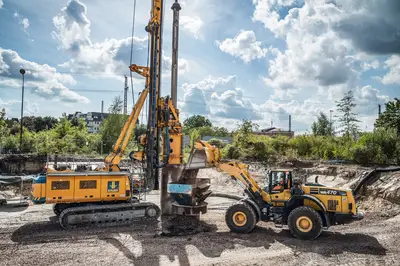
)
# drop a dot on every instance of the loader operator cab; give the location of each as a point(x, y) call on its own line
point(278, 181)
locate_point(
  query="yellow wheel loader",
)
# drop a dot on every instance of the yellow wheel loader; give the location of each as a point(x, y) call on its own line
point(305, 208)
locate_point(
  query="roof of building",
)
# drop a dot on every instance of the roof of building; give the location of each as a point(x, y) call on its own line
point(98, 113)
point(95, 116)
point(273, 129)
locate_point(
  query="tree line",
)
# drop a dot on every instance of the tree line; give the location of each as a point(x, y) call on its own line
point(346, 142)
point(49, 135)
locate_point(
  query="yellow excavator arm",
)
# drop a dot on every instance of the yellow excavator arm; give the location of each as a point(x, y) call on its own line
point(237, 170)
point(114, 158)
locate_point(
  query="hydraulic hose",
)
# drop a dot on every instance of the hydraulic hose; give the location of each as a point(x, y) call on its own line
point(227, 196)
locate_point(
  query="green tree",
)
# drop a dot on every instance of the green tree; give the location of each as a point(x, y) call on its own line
point(322, 127)
point(116, 106)
point(3, 125)
point(112, 125)
point(347, 119)
point(29, 122)
point(243, 133)
point(4, 131)
point(220, 132)
point(390, 118)
point(380, 146)
point(110, 130)
point(75, 122)
point(195, 121)
point(44, 123)
point(139, 130)
point(194, 136)
point(205, 131)
point(11, 143)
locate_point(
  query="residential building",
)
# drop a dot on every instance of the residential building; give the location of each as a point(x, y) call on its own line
point(93, 120)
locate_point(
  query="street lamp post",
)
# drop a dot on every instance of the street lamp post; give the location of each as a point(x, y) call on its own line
point(22, 71)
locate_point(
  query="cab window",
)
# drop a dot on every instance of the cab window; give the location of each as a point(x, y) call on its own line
point(280, 180)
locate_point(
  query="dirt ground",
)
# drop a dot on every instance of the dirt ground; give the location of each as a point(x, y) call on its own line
point(31, 236)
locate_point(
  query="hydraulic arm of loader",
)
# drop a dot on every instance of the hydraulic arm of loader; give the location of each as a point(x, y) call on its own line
point(236, 170)
point(114, 158)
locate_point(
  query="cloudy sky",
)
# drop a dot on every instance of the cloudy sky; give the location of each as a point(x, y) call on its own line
point(239, 59)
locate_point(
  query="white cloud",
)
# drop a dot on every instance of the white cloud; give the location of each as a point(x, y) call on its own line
point(211, 83)
point(266, 12)
point(328, 42)
point(217, 97)
point(194, 102)
point(393, 76)
point(371, 26)
point(22, 20)
point(29, 107)
point(367, 99)
point(109, 58)
point(9, 102)
point(315, 55)
point(192, 25)
point(25, 23)
point(304, 112)
point(244, 45)
point(44, 79)
point(231, 104)
point(72, 27)
point(370, 65)
point(1, 3)
point(183, 65)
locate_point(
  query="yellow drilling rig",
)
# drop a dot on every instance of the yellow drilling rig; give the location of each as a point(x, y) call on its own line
point(104, 197)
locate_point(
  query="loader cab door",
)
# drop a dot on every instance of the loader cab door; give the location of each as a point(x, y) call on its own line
point(280, 182)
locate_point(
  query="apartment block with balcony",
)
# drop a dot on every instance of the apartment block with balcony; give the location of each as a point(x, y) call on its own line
point(93, 120)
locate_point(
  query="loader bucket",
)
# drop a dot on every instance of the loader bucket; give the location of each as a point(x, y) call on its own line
point(197, 160)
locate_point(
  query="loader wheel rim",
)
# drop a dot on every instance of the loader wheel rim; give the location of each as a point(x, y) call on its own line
point(239, 219)
point(304, 224)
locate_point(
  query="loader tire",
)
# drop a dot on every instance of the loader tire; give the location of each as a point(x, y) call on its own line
point(305, 223)
point(241, 218)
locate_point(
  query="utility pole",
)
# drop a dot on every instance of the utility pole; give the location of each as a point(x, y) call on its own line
point(175, 40)
point(330, 122)
point(126, 96)
point(22, 71)
point(290, 123)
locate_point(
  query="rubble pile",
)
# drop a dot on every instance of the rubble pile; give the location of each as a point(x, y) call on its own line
point(385, 186)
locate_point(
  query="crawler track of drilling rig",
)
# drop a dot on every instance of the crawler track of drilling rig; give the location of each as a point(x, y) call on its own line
point(108, 215)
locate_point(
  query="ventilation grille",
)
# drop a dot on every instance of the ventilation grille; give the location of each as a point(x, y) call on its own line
point(88, 184)
point(332, 205)
point(60, 185)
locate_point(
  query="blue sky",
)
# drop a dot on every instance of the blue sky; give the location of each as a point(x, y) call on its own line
point(252, 59)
